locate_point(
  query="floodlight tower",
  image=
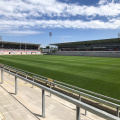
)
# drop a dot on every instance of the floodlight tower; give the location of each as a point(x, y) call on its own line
point(50, 34)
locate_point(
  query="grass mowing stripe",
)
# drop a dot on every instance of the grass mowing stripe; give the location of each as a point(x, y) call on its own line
point(86, 62)
point(91, 70)
point(109, 67)
point(100, 75)
point(75, 72)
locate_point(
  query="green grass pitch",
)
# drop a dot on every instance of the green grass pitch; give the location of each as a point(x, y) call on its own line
point(98, 74)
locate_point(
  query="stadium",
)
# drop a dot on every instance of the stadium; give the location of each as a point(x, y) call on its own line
point(59, 59)
point(86, 71)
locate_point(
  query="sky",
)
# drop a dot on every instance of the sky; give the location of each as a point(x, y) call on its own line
point(31, 21)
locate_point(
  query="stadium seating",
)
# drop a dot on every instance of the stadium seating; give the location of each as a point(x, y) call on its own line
point(90, 53)
point(19, 51)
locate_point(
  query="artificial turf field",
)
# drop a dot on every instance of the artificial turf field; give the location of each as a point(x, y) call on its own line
point(98, 74)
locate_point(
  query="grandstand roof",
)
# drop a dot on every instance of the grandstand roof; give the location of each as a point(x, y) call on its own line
point(112, 40)
point(18, 43)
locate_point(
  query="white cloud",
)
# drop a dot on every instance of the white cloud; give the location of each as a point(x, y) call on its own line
point(29, 14)
point(102, 2)
point(93, 24)
point(20, 33)
point(27, 8)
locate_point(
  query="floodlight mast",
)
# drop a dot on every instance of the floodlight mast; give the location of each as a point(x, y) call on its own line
point(50, 34)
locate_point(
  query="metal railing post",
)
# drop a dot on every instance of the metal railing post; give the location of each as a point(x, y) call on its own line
point(77, 113)
point(33, 81)
point(16, 72)
point(79, 97)
point(85, 112)
point(50, 88)
point(26, 77)
point(43, 103)
point(9, 71)
point(79, 108)
point(15, 85)
point(2, 76)
point(80, 100)
point(117, 111)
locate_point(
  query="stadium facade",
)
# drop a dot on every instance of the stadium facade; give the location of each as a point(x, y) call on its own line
point(19, 48)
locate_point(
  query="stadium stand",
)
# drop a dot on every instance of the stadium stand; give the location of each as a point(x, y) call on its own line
point(19, 48)
point(97, 48)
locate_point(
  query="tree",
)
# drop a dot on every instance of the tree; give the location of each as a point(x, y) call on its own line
point(48, 47)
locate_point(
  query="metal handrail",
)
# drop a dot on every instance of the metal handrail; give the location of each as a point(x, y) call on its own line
point(81, 93)
point(67, 98)
point(19, 70)
point(99, 95)
point(65, 87)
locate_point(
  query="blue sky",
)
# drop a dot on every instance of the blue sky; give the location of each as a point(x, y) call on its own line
point(68, 20)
